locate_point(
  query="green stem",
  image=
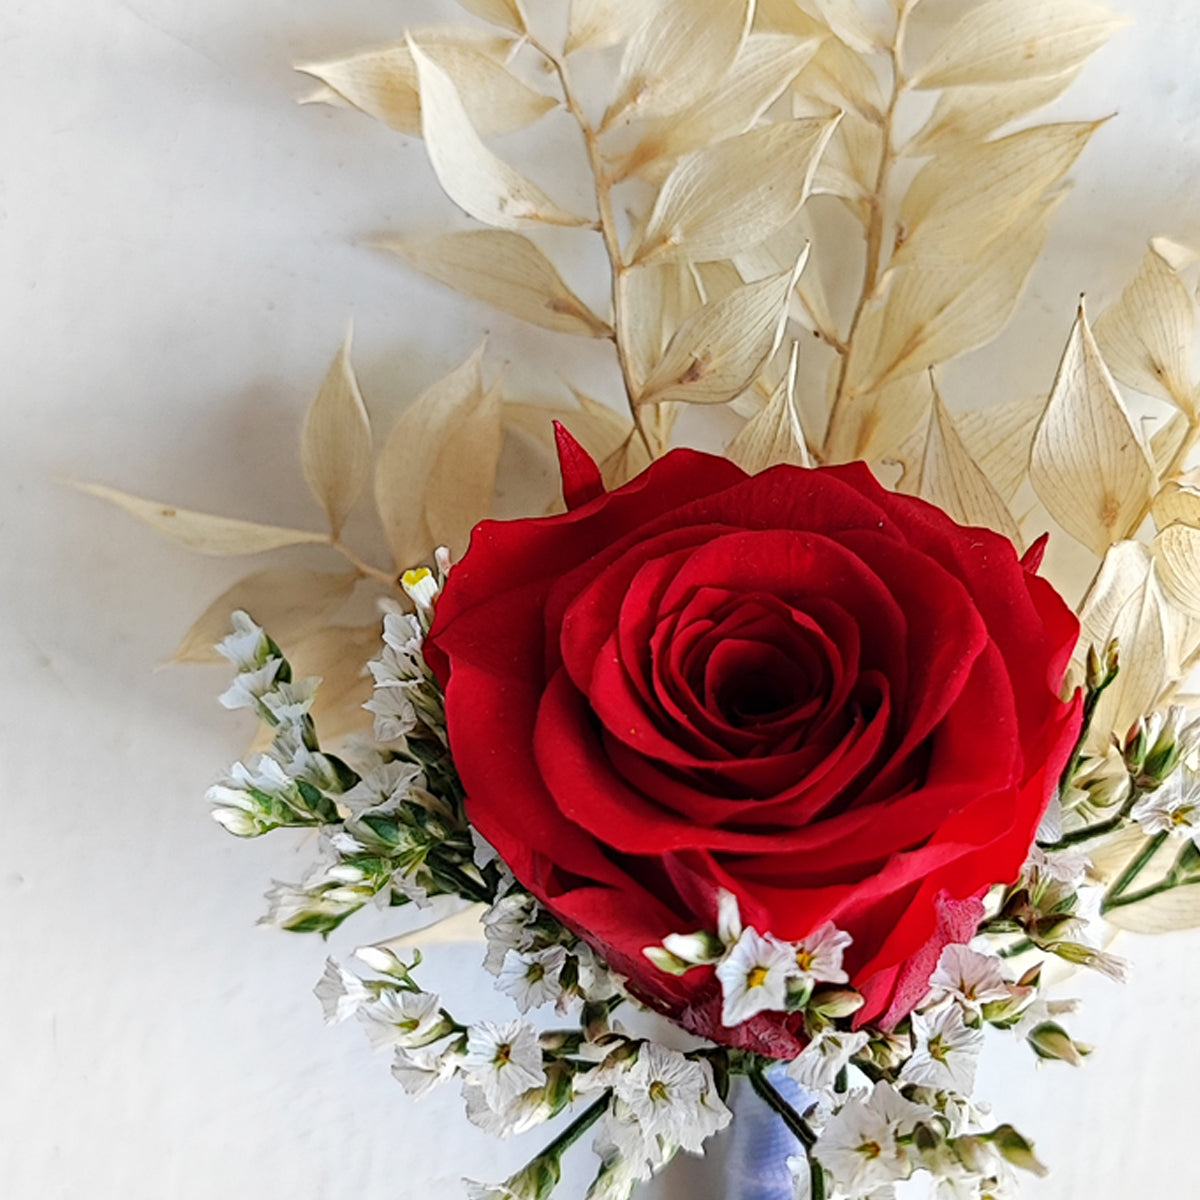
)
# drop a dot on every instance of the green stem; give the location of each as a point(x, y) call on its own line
point(577, 1128)
point(1131, 872)
point(795, 1123)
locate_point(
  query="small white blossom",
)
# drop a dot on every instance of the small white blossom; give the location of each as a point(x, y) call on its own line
point(506, 926)
point(249, 687)
point(246, 647)
point(596, 981)
point(627, 1155)
point(947, 1052)
point(340, 992)
point(421, 588)
point(972, 978)
point(400, 1018)
point(818, 1065)
point(504, 1060)
point(384, 785)
point(754, 976)
point(420, 1069)
point(664, 1090)
point(523, 1112)
point(531, 977)
point(290, 702)
point(858, 1148)
point(1172, 808)
point(819, 956)
point(729, 919)
point(1063, 866)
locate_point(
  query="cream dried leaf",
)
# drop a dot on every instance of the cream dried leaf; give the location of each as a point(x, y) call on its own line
point(291, 603)
point(508, 271)
point(630, 458)
point(599, 429)
point(458, 492)
point(786, 16)
point(382, 82)
point(969, 114)
point(721, 347)
point(659, 297)
point(839, 78)
point(411, 455)
point(774, 435)
point(1176, 552)
point(1175, 254)
point(886, 424)
point(951, 479)
point(1167, 440)
point(1000, 439)
point(1174, 909)
point(931, 315)
point(964, 199)
point(1089, 466)
point(203, 532)
point(768, 62)
point(506, 13)
point(733, 195)
point(997, 41)
point(464, 926)
point(481, 184)
point(1146, 336)
point(675, 59)
point(1176, 503)
point(595, 24)
point(851, 25)
point(335, 445)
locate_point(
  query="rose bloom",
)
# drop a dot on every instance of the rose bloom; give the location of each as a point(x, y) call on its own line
point(824, 697)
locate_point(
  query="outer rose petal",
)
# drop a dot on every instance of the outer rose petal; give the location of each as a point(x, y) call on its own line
point(909, 735)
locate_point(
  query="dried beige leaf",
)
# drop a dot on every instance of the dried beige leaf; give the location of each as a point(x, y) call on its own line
point(599, 429)
point(630, 458)
point(508, 271)
point(969, 114)
point(733, 195)
point(1176, 552)
point(595, 24)
point(1146, 336)
point(466, 925)
point(878, 426)
point(838, 78)
point(774, 435)
point(952, 480)
point(850, 23)
point(1176, 503)
point(997, 41)
point(411, 456)
point(458, 493)
point(930, 315)
point(964, 199)
point(658, 298)
point(335, 445)
point(290, 603)
point(1175, 254)
point(1000, 439)
point(482, 185)
point(723, 345)
point(1167, 441)
point(1109, 856)
point(674, 60)
point(382, 82)
point(768, 62)
point(506, 13)
point(1089, 466)
point(203, 532)
point(786, 16)
point(1177, 908)
point(1127, 603)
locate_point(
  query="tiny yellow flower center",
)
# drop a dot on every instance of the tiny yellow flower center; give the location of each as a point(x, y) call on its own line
point(804, 959)
point(870, 1149)
point(756, 977)
point(503, 1055)
point(658, 1091)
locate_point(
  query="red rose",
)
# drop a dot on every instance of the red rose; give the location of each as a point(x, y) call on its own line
point(824, 697)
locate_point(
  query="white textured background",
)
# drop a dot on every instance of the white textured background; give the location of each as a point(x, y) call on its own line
point(177, 265)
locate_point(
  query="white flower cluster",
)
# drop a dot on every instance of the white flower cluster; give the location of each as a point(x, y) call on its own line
point(649, 1102)
point(536, 961)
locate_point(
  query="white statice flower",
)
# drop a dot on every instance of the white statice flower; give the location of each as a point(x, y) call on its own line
point(858, 1148)
point(504, 1060)
point(1063, 866)
point(628, 1157)
point(946, 1054)
point(729, 918)
point(381, 787)
point(507, 926)
point(340, 992)
point(246, 647)
point(664, 1090)
point(522, 1113)
point(249, 687)
point(299, 762)
point(402, 1018)
point(287, 904)
point(596, 981)
point(289, 703)
point(818, 1065)
point(422, 588)
point(973, 979)
point(754, 976)
point(818, 957)
point(531, 977)
point(1173, 808)
point(420, 1069)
